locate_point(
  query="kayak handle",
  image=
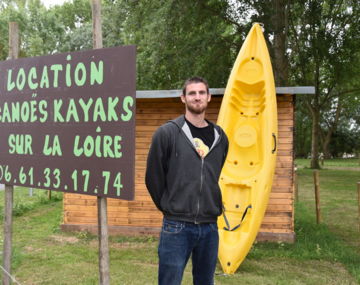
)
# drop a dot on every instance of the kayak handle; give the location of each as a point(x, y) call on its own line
point(274, 136)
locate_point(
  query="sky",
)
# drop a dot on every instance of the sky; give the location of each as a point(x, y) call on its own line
point(49, 3)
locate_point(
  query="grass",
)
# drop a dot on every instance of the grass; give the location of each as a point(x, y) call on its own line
point(332, 163)
point(338, 201)
point(25, 200)
point(323, 254)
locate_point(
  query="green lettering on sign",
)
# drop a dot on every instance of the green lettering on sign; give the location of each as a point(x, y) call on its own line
point(128, 102)
point(80, 69)
point(31, 77)
point(97, 73)
point(44, 83)
point(10, 84)
point(56, 68)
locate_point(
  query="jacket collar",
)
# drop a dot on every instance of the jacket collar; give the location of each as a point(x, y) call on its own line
point(181, 123)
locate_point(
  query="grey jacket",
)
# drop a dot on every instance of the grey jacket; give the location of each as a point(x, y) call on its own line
point(183, 185)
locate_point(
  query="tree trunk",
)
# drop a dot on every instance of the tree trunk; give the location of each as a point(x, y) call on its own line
point(280, 20)
point(332, 129)
point(325, 147)
point(315, 114)
point(315, 134)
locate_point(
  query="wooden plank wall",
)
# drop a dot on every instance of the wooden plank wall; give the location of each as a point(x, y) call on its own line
point(141, 216)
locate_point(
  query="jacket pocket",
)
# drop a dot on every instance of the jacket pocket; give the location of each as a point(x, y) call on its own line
point(181, 199)
point(212, 202)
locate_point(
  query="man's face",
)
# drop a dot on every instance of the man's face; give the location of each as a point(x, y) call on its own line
point(196, 98)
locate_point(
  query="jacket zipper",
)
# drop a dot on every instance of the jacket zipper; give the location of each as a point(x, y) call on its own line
point(201, 185)
point(201, 176)
point(202, 179)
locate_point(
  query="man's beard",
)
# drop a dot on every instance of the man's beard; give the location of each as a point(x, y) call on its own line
point(196, 110)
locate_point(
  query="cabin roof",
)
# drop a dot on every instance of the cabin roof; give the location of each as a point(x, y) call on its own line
point(220, 91)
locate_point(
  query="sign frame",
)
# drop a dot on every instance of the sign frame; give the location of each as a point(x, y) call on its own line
point(68, 122)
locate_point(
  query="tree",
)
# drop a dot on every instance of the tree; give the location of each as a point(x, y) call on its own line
point(325, 41)
point(75, 18)
point(311, 43)
point(175, 40)
point(274, 17)
point(339, 115)
point(10, 11)
point(46, 31)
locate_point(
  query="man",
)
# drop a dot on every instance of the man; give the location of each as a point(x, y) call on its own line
point(183, 168)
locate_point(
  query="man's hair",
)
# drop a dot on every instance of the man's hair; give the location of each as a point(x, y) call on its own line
point(195, 79)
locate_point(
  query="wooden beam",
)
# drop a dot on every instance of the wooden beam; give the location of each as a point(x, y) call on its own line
point(219, 91)
point(8, 218)
point(104, 263)
point(9, 189)
point(317, 196)
point(358, 190)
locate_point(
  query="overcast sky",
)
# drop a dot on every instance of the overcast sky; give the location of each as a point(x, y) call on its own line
point(49, 3)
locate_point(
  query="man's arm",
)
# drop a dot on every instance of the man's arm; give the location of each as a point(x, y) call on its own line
point(155, 178)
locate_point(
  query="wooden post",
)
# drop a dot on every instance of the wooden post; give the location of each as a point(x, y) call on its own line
point(317, 196)
point(7, 251)
point(96, 19)
point(296, 184)
point(104, 272)
point(358, 190)
point(49, 194)
point(13, 40)
point(9, 189)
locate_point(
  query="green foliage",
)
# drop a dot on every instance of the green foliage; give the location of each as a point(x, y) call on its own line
point(174, 42)
point(75, 17)
point(324, 53)
point(175, 39)
point(345, 141)
point(10, 12)
point(44, 30)
point(85, 236)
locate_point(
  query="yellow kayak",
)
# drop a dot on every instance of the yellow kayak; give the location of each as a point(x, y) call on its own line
point(248, 115)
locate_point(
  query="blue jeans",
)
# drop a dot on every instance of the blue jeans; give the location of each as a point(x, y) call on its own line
point(179, 240)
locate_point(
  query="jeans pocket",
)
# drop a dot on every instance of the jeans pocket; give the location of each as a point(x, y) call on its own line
point(213, 227)
point(172, 227)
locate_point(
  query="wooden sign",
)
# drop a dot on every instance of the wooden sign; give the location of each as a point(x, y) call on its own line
point(67, 122)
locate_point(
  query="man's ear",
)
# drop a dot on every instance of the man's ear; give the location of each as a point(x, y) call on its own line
point(182, 96)
point(209, 98)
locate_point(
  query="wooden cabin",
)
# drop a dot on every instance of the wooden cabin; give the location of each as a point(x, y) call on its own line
point(141, 217)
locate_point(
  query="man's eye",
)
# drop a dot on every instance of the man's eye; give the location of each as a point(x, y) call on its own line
point(200, 93)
